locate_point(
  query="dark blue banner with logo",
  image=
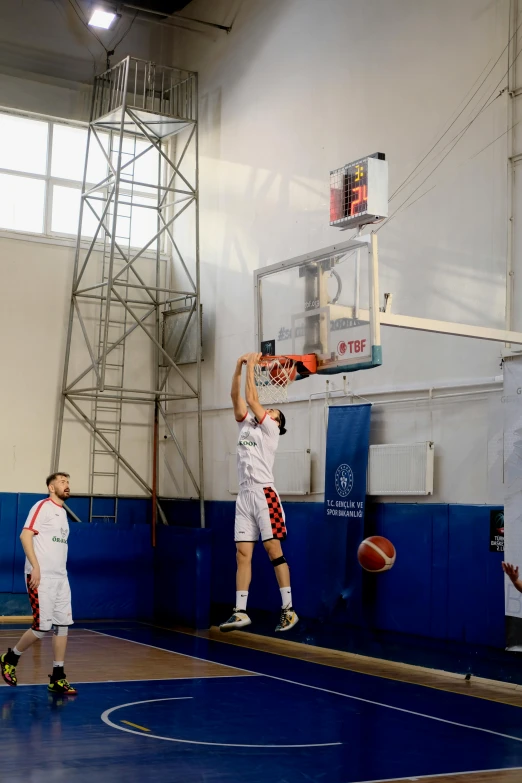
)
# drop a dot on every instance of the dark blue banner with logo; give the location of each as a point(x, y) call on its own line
point(347, 445)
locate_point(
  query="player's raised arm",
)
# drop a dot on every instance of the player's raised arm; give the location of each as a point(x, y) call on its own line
point(240, 406)
point(252, 398)
point(512, 572)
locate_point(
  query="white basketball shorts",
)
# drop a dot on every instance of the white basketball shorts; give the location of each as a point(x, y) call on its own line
point(259, 512)
point(51, 603)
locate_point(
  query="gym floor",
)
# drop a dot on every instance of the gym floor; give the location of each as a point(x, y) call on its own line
point(170, 705)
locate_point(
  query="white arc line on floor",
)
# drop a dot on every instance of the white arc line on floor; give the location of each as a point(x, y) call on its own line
point(325, 690)
point(105, 719)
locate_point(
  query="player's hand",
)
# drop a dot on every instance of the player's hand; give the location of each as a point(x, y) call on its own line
point(243, 359)
point(511, 571)
point(35, 578)
point(253, 358)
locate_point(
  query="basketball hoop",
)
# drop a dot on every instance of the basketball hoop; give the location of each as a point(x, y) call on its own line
point(274, 374)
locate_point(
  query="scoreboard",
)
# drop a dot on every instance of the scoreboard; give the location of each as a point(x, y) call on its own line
point(359, 192)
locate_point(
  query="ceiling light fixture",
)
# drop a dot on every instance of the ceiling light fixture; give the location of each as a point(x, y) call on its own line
point(102, 17)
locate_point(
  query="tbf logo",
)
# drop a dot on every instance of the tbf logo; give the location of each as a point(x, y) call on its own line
point(351, 347)
point(343, 480)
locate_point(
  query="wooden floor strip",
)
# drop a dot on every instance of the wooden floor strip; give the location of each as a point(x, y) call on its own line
point(94, 658)
point(499, 776)
point(490, 690)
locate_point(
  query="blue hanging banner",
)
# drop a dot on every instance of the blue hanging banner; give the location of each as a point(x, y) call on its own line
point(347, 446)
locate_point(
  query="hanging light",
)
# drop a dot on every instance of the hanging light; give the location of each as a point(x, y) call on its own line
point(103, 16)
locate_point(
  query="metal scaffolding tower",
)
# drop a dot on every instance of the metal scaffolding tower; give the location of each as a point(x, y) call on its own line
point(136, 285)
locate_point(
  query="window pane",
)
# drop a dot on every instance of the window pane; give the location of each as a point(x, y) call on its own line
point(66, 213)
point(69, 150)
point(136, 223)
point(23, 144)
point(144, 223)
point(22, 203)
point(144, 169)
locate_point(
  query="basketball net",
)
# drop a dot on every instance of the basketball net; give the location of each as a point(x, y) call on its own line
point(273, 376)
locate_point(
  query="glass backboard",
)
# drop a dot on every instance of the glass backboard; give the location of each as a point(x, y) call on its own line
point(324, 303)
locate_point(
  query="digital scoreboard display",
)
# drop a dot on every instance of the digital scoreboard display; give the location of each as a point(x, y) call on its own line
point(359, 192)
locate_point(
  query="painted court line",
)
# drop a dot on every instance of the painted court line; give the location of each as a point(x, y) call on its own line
point(105, 719)
point(135, 725)
point(16, 635)
point(173, 652)
point(146, 679)
point(452, 676)
point(327, 690)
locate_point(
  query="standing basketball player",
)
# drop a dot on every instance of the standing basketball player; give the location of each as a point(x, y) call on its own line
point(258, 508)
point(44, 539)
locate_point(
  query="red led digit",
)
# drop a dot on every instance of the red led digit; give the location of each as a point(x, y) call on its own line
point(362, 196)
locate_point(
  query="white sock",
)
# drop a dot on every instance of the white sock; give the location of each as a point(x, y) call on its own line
point(241, 600)
point(17, 651)
point(286, 597)
point(58, 663)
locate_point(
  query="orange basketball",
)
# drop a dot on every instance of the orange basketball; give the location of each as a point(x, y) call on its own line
point(376, 554)
point(283, 372)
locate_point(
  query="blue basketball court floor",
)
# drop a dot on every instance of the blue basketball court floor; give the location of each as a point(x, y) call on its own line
point(253, 717)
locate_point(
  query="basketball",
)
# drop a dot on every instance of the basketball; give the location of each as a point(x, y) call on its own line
point(376, 554)
point(283, 372)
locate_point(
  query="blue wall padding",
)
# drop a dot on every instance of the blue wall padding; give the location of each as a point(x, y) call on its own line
point(134, 511)
point(131, 511)
point(104, 507)
point(446, 584)
point(316, 553)
point(14, 604)
point(80, 507)
point(110, 566)
point(475, 590)
point(111, 571)
point(182, 569)
point(184, 513)
point(406, 599)
point(8, 510)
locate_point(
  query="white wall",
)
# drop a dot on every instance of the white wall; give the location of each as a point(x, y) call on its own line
point(36, 282)
point(304, 86)
point(297, 88)
point(47, 61)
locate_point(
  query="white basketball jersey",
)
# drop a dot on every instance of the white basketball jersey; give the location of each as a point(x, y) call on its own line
point(50, 526)
point(256, 448)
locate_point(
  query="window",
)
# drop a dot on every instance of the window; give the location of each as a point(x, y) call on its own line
point(41, 173)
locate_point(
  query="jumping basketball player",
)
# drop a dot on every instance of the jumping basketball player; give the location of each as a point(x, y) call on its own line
point(258, 508)
point(44, 539)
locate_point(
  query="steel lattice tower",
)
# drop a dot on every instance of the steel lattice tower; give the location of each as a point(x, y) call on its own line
point(136, 274)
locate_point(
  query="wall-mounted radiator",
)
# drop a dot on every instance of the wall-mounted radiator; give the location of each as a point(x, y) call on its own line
point(401, 469)
point(292, 473)
point(393, 469)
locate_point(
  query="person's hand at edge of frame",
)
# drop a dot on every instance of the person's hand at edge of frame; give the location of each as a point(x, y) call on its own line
point(511, 571)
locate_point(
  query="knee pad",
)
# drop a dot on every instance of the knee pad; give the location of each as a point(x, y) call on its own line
point(278, 561)
point(61, 630)
point(39, 634)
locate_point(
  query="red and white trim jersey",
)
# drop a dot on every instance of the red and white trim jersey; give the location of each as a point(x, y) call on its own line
point(256, 448)
point(50, 526)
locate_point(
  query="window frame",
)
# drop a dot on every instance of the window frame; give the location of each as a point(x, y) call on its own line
point(52, 237)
